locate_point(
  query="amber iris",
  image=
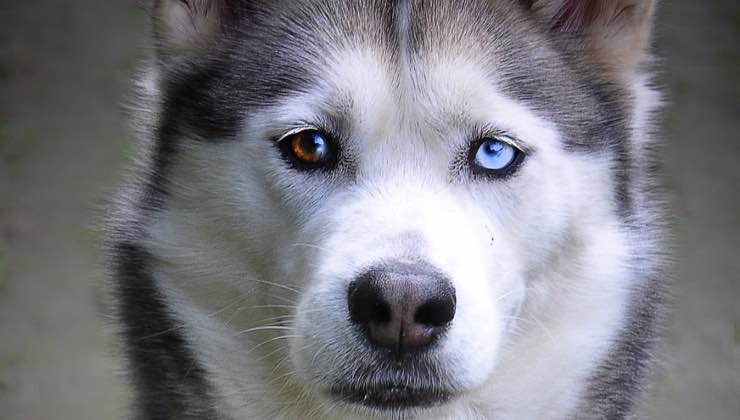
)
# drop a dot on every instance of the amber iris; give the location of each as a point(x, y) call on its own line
point(310, 147)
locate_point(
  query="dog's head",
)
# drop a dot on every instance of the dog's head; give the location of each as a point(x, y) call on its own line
point(392, 184)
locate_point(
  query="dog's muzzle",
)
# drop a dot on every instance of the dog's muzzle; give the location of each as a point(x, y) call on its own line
point(401, 312)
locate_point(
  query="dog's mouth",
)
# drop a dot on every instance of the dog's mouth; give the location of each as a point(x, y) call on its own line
point(391, 396)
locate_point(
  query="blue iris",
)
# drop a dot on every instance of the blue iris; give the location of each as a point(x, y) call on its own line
point(495, 155)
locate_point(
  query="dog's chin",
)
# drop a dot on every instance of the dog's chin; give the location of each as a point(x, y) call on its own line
point(390, 397)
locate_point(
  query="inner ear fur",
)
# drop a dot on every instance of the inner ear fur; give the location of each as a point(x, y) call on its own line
point(614, 33)
point(183, 27)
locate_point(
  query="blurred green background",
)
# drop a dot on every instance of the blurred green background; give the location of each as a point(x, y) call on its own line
point(65, 68)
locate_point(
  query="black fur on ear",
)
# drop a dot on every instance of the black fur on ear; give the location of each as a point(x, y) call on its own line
point(183, 27)
point(615, 32)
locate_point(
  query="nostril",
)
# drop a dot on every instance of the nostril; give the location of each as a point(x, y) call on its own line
point(436, 312)
point(366, 304)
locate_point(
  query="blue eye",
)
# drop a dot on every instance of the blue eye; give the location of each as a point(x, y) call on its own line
point(496, 156)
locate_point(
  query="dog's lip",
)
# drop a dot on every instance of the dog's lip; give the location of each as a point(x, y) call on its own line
point(391, 396)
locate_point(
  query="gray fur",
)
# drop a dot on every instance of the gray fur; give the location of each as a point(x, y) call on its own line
point(266, 51)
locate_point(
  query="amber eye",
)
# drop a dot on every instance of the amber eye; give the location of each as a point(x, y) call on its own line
point(308, 149)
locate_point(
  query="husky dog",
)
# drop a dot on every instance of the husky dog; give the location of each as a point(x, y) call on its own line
point(402, 209)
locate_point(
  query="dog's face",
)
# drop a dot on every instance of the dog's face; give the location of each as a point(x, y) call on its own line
point(393, 185)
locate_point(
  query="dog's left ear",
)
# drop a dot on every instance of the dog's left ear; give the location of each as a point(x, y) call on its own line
point(614, 33)
point(186, 27)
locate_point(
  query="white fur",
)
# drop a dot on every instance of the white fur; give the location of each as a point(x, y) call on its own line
point(539, 261)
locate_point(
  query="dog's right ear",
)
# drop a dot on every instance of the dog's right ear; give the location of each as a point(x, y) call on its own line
point(614, 33)
point(185, 27)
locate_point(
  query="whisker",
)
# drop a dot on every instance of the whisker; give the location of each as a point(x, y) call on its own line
point(285, 383)
point(235, 301)
point(304, 311)
point(505, 295)
point(292, 372)
point(260, 322)
point(321, 349)
point(307, 245)
point(233, 316)
point(274, 306)
point(286, 317)
point(163, 332)
point(265, 321)
point(283, 298)
point(279, 363)
point(282, 286)
point(280, 337)
point(267, 356)
point(539, 323)
point(211, 314)
point(262, 328)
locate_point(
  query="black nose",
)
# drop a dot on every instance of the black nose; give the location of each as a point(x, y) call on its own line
point(402, 307)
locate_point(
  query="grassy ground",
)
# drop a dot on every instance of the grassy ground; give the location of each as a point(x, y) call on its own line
point(64, 69)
